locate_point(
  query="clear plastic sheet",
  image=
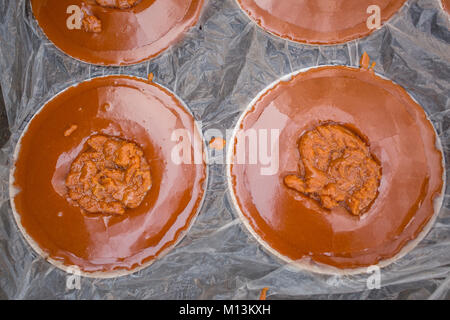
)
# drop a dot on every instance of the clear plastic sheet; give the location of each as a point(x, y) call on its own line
point(217, 69)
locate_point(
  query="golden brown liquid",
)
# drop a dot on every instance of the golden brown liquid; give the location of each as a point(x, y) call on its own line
point(127, 36)
point(118, 106)
point(318, 21)
point(400, 137)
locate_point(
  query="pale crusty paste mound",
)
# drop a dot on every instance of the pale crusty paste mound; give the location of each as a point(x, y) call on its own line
point(337, 169)
point(110, 176)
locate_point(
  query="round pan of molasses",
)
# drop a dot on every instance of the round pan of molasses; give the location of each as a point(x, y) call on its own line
point(96, 183)
point(115, 32)
point(320, 21)
point(355, 176)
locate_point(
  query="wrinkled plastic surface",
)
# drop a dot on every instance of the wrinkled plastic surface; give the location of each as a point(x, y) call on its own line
point(217, 69)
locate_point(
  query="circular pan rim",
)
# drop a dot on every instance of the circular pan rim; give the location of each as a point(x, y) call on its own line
point(308, 264)
point(115, 273)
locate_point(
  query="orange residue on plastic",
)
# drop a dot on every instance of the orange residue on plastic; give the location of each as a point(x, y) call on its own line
point(263, 295)
point(150, 77)
point(217, 143)
point(365, 61)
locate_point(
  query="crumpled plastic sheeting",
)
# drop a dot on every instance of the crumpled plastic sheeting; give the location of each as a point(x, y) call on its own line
point(217, 69)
